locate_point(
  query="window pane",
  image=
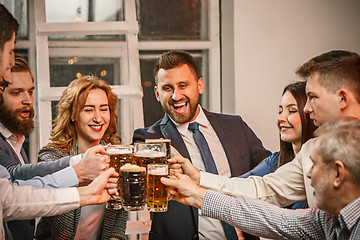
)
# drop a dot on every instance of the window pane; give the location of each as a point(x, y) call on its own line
point(152, 108)
point(84, 10)
point(19, 9)
point(173, 20)
point(64, 70)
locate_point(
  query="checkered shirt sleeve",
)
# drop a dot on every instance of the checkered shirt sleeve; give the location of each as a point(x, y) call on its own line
point(263, 219)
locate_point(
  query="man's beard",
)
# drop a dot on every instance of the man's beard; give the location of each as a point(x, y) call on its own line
point(11, 121)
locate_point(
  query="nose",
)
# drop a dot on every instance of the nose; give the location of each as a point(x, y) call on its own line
point(282, 117)
point(308, 108)
point(177, 95)
point(27, 99)
point(7, 77)
point(97, 116)
point(309, 173)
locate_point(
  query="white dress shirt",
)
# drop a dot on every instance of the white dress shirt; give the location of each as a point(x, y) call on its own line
point(208, 228)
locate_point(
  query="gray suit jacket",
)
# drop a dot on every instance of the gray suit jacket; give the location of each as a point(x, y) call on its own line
point(24, 229)
point(242, 148)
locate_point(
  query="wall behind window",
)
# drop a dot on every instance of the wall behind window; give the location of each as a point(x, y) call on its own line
point(272, 39)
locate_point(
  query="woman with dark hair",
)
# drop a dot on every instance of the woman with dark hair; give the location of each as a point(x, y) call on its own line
point(85, 117)
point(295, 128)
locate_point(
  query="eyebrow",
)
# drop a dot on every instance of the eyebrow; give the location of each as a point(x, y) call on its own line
point(289, 105)
point(19, 88)
point(103, 105)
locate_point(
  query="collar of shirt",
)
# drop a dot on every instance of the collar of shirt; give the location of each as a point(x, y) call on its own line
point(350, 213)
point(10, 136)
point(201, 119)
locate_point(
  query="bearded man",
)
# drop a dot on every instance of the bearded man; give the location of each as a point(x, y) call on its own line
point(216, 143)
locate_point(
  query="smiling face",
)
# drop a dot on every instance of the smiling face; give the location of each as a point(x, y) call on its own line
point(93, 119)
point(17, 106)
point(7, 61)
point(178, 92)
point(322, 105)
point(289, 122)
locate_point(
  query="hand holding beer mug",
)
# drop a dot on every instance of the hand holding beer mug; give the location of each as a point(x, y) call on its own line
point(157, 192)
point(133, 187)
point(119, 155)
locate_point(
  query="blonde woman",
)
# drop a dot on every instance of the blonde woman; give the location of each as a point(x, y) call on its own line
point(85, 117)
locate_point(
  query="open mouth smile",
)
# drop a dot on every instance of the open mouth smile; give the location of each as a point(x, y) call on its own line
point(96, 128)
point(180, 108)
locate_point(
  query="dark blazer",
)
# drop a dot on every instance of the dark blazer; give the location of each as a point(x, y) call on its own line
point(242, 148)
point(24, 229)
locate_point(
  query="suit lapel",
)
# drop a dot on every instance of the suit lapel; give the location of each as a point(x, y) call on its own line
point(226, 140)
point(169, 131)
point(23, 154)
point(15, 158)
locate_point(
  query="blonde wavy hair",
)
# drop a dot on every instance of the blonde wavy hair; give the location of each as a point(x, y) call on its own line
point(64, 135)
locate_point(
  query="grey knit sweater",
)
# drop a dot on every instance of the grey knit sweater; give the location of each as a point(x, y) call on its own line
point(64, 226)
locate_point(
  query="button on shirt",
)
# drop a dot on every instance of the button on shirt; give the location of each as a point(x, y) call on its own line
point(208, 228)
point(15, 143)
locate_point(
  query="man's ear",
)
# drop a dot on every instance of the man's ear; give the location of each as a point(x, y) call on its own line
point(156, 93)
point(201, 86)
point(344, 98)
point(340, 172)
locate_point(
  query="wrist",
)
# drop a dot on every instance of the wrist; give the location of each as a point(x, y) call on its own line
point(78, 169)
point(86, 198)
point(197, 176)
point(199, 197)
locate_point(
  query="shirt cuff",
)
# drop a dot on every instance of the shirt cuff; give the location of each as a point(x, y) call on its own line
point(68, 177)
point(209, 180)
point(214, 204)
point(75, 159)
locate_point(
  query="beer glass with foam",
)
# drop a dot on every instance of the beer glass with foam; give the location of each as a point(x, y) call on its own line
point(146, 153)
point(119, 155)
point(132, 180)
point(157, 192)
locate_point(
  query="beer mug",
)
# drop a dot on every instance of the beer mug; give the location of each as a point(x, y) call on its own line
point(132, 180)
point(157, 192)
point(167, 143)
point(119, 155)
point(145, 153)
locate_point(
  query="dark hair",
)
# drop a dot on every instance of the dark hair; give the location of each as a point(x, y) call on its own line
point(173, 59)
point(336, 69)
point(8, 26)
point(297, 89)
point(21, 65)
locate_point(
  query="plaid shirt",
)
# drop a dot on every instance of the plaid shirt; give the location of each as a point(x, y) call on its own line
point(266, 220)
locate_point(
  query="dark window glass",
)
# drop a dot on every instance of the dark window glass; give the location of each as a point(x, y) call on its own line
point(172, 20)
point(65, 70)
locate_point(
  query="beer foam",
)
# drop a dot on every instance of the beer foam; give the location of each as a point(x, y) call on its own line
point(158, 171)
point(119, 150)
point(149, 153)
point(132, 168)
